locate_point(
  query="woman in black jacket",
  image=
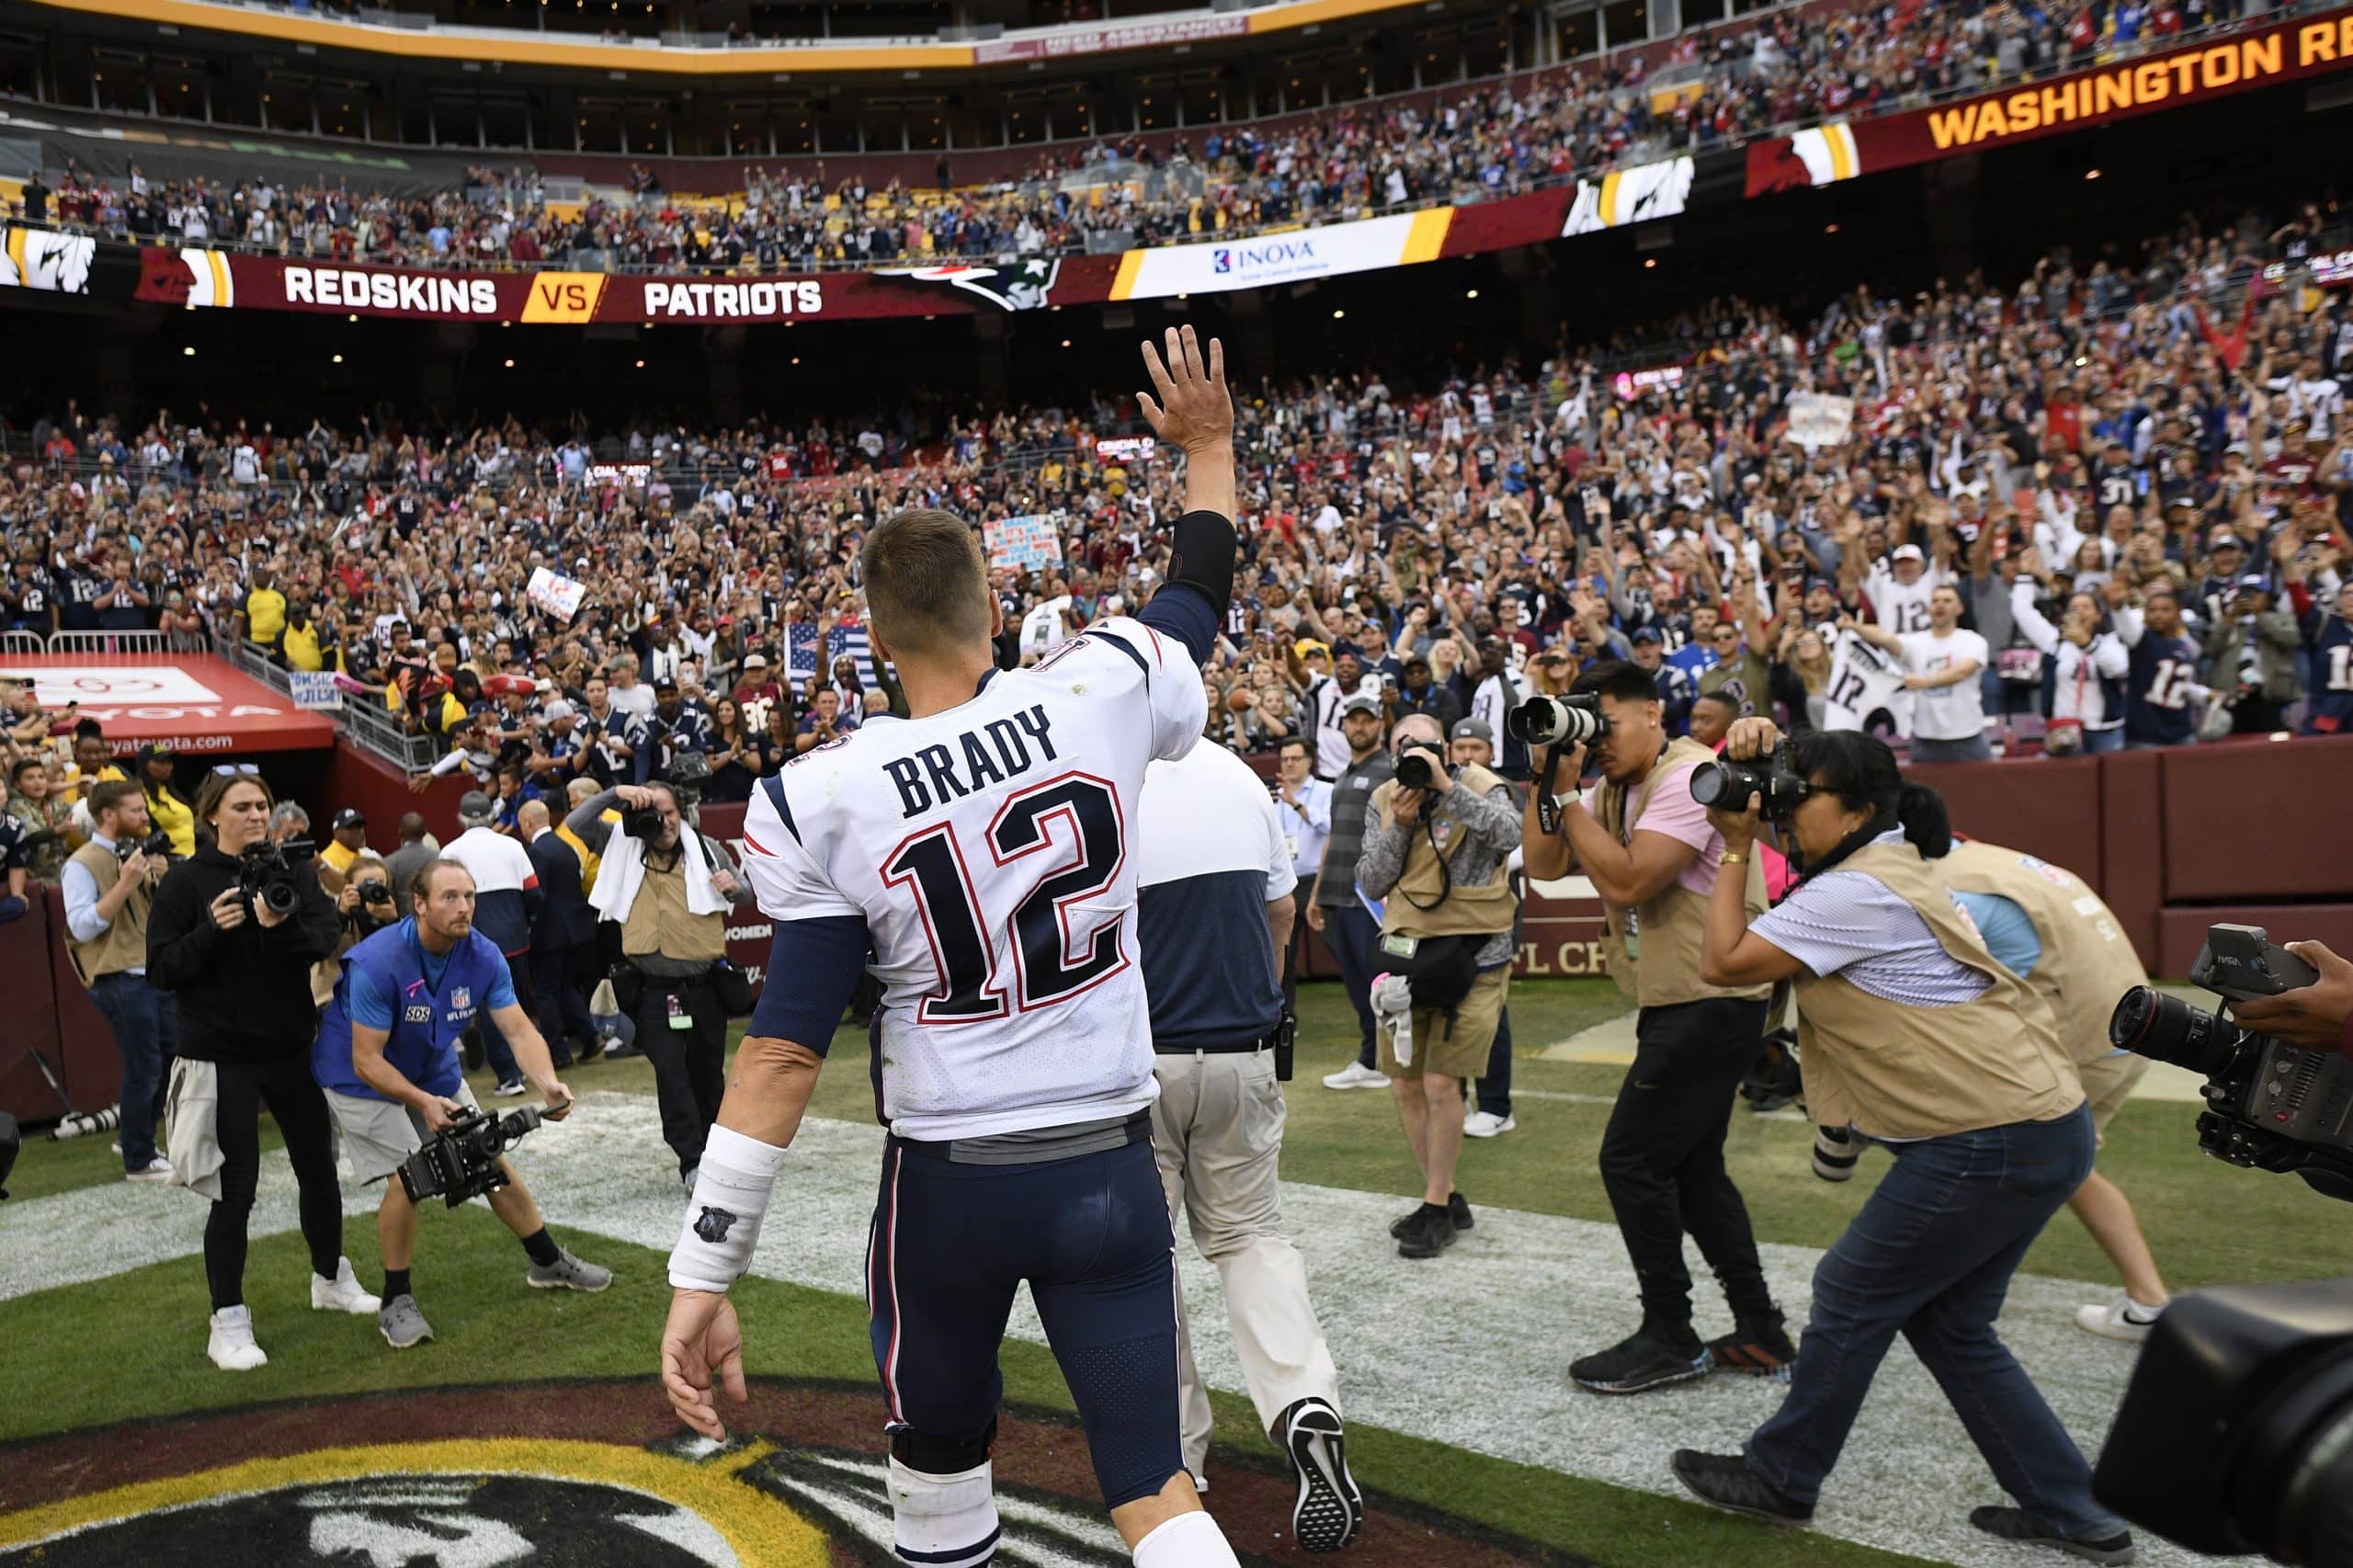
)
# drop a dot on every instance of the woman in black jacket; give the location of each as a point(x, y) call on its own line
point(242, 977)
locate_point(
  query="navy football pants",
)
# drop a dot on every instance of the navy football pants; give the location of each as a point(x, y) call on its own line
point(948, 1245)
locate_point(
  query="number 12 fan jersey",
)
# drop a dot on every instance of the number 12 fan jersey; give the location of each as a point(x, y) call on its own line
point(991, 851)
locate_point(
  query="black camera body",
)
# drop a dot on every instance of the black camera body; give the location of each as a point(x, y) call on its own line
point(268, 872)
point(156, 845)
point(644, 823)
point(462, 1161)
point(2270, 1105)
point(1420, 765)
point(1557, 720)
point(376, 892)
point(1728, 785)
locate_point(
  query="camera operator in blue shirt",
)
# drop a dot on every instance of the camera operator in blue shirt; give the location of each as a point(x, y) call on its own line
point(388, 1057)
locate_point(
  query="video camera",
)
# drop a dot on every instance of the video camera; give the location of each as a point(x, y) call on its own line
point(1557, 720)
point(2270, 1106)
point(267, 871)
point(2236, 1430)
point(1727, 785)
point(462, 1161)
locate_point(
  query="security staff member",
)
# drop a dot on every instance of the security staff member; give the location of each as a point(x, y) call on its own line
point(1334, 909)
point(1303, 809)
point(667, 896)
point(110, 885)
point(388, 1059)
point(1913, 1033)
point(1436, 855)
point(2055, 933)
point(1653, 858)
point(1213, 907)
point(563, 939)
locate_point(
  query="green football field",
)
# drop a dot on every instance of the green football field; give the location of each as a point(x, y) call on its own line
point(125, 1346)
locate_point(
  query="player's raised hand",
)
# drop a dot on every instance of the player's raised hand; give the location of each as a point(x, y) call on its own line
point(1193, 409)
point(701, 1344)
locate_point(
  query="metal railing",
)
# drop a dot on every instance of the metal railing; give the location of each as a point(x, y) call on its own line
point(106, 644)
point(372, 728)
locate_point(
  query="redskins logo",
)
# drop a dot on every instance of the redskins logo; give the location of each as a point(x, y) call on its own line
point(587, 1475)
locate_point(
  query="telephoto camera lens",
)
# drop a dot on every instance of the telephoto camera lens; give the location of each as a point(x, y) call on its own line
point(2166, 1028)
point(1550, 721)
point(1722, 786)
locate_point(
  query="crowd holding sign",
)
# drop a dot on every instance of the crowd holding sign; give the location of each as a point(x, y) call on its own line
point(556, 592)
point(1026, 543)
point(1818, 420)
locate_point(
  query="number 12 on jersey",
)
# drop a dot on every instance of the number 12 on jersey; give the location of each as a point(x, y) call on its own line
point(1077, 815)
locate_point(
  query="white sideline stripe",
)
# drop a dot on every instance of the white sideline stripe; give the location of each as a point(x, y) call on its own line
point(1469, 1349)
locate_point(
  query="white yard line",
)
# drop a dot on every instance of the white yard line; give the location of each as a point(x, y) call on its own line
point(1470, 1349)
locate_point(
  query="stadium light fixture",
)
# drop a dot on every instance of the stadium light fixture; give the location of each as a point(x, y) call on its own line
point(1065, 343)
point(1650, 261)
point(1339, 316)
point(336, 359)
point(1830, 228)
point(1470, 293)
point(510, 364)
point(796, 359)
point(189, 351)
point(2091, 174)
point(641, 364)
point(353, 316)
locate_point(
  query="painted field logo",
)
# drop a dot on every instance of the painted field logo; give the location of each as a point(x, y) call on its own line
point(583, 1476)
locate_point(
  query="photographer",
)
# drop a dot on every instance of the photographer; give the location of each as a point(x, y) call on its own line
point(1913, 1033)
point(1436, 843)
point(387, 1058)
point(109, 886)
point(2055, 933)
point(1655, 861)
point(665, 890)
point(232, 934)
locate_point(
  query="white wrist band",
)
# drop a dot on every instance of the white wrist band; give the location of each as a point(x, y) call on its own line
point(722, 1225)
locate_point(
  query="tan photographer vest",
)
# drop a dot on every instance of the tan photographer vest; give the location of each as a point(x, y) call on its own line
point(1466, 912)
point(2087, 961)
point(1899, 1072)
point(1661, 966)
point(123, 944)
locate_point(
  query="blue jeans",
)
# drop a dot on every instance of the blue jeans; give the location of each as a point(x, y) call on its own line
point(2098, 740)
point(1931, 1256)
point(1350, 931)
point(146, 1031)
point(1971, 748)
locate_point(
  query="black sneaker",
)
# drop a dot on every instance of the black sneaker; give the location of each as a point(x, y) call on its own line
point(1428, 1231)
point(1654, 1354)
point(1759, 1347)
point(2012, 1524)
point(1457, 1210)
point(1329, 1509)
point(1726, 1480)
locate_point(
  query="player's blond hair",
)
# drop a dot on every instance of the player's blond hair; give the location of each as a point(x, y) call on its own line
point(926, 589)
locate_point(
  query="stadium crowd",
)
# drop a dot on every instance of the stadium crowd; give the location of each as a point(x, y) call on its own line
point(2084, 511)
point(1789, 67)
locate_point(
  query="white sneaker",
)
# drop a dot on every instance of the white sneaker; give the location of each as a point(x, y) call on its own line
point(511, 1088)
point(118, 1145)
point(233, 1348)
point(156, 1169)
point(342, 1293)
point(1355, 1075)
point(2117, 1320)
point(1487, 1124)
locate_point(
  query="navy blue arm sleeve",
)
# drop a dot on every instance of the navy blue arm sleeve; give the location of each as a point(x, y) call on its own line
point(813, 968)
point(1183, 611)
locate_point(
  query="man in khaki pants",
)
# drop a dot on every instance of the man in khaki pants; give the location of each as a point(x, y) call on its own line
point(1213, 909)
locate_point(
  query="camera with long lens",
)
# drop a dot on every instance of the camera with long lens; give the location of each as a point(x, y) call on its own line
point(2270, 1105)
point(2236, 1431)
point(1728, 785)
point(1557, 720)
point(462, 1161)
point(156, 845)
point(269, 874)
point(1420, 765)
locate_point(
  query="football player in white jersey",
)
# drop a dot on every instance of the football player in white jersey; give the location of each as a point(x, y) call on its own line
point(982, 852)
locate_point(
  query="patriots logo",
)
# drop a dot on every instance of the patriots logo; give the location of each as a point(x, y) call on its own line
point(712, 1224)
point(1026, 284)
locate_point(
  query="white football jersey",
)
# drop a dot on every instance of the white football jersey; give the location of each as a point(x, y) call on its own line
point(1904, 609)
point(1865, 680)
point(991, 850)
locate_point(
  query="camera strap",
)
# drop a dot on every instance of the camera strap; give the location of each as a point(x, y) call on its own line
point(1548, 810)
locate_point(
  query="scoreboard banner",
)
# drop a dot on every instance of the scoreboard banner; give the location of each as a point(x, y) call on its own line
point(2117, 89)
